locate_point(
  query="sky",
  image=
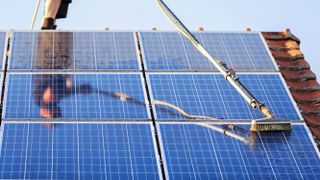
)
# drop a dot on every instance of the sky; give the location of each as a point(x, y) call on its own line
point(301, 16)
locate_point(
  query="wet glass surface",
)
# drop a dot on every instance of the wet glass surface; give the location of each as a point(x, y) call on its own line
point(172, 51)
point(73, 51)
point(200, 151)
point(211, 95)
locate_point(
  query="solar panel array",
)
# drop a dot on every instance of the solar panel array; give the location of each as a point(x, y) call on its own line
point(118, 105)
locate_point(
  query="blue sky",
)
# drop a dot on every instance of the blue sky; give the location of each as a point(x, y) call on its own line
point(302, 17)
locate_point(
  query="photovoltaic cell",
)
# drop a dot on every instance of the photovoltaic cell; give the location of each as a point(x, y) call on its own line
point(211, 95)
point(194, 151)
point(75, 96)
point(2, 47)
point(111, 50)
point(78, 151)
point(172, 51)
point(73, 51)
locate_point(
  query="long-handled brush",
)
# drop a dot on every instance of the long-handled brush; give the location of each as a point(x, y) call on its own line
point(267, 124)
point(270, 124)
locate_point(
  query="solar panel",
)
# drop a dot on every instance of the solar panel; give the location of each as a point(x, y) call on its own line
point(172, 51)
point(207, 94)
point(199, 152)
point(78, 151)
point(75, 96)
point(73, 51)
point(3, 46)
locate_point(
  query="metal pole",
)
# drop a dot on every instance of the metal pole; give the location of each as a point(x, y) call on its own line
point(35, 14)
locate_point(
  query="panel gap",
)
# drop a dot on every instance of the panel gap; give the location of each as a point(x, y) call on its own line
point(5, 68)
point(154, 122)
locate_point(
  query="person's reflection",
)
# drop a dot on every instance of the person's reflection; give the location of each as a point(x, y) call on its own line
point(48, 90)
point(54, 53)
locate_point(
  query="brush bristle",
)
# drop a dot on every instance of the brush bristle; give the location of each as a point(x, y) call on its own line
point(271, 127)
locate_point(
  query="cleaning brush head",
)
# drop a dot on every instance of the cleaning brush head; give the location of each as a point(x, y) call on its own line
point(270, 125)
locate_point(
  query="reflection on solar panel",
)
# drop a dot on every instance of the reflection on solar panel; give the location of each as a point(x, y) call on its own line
point(78, 151)
point(80, 96)
point(211, 95)
point(197, 152)
point(171, 51)
point(89, 144)
point(73, 50)
point(2, 47)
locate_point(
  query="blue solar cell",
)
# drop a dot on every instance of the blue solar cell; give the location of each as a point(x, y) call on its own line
point(73, 51)
point(198, 152)
point(171, 51)
point(112, 50)
point(211, 95)
point(75, 96)
point(116, 50)
point(78, 151)
point(2, 47)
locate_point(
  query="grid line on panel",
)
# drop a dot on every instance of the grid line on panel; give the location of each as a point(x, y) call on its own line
point(286, 160)
point(268, 158)
point(194, 57)
point(164, 52)
point(242, 159)
point(220, 94)
point(84, 50)
point(52, 155)
point(115, 48)
point(215, 154)
point(269, 51)
point(248, 53)
point(185, 52)
point(76, 102)
point(104, 152)
point(78, 147)
point(54, 53)
point(26, 155)
point(98, 80)
point(95, 51)
point(223, 49)
point(295, 162)
point(74, 52)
